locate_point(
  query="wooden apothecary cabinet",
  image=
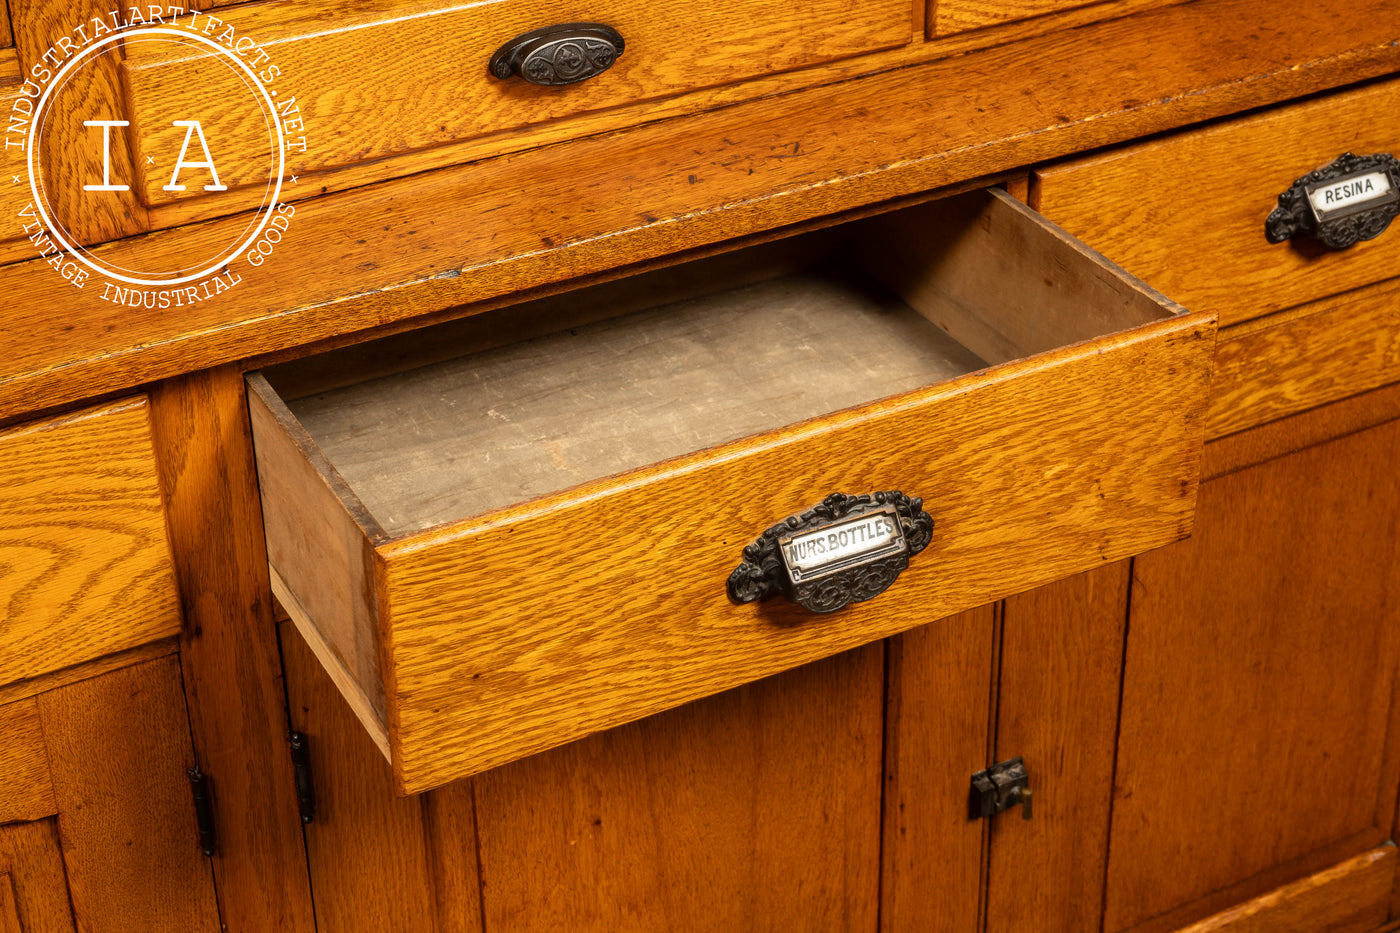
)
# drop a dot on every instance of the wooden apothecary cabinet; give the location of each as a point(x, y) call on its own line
point(1206, 722)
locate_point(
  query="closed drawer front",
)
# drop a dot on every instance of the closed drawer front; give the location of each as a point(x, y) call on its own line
point(1309, 324)
point(1187, 212)
point(83, 543)
point(378, 80)
point(501, 553)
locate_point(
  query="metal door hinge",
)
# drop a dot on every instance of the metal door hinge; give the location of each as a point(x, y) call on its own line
point(999, 788)
point(301, 774)
point(203, 811)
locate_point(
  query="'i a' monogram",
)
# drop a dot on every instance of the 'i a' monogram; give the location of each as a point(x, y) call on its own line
point(192, 129)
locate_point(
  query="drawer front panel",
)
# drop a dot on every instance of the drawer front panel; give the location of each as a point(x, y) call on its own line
point(1186, 213)
point(384, 79)
point(83, 541)
point(1029, 479)
point(1305, 357)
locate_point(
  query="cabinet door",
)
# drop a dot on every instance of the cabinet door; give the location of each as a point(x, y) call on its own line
point(1255, 739)
point(33, 889)
point(1035, 677)
point(104, 832)
point(756, 809)
point(1057, 701)
point(937, 730)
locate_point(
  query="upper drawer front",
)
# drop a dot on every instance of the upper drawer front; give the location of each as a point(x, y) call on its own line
point(1187, 212)
point(83, 543)
point(377, 80)
point(476, 609)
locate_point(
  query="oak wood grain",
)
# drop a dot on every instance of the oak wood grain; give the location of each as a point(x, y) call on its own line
point(1295, 432)
point(119, 752)
point(469, 147)
point(71, 155)
point(1001, 280)
point(33, 686)
point(1045, 283)
point(367, 850)
point(351, 689)
point(948, 17)
point(229, 655)
point(9, 910)
point(1057, 707)
point(755, 809)
point(88, 564)
point(26, 792)
point(7, 39)
point(34, 856)
point(1244, 715)
point(937, 735)
point(367, 52)
point(1298, 359)
point(493, 677)
point(1187, 212)
point(449, 820)
point(1352, 897)
point(439, 242)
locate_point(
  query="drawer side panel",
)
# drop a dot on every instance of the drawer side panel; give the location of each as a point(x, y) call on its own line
point(510, 635)
point(321, 557)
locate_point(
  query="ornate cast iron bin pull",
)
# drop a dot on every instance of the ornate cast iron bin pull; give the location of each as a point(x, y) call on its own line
point(557, 55)
point(1354, 198)
point(846, 550)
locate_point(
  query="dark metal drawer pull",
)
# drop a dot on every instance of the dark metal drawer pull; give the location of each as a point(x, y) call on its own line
point(846, 550)
point(557, 55)
point(1355, 198)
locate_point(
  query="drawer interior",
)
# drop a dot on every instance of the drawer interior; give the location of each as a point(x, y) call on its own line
point(448, 423)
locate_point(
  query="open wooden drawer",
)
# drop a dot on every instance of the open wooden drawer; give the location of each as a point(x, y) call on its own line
point(527, 542)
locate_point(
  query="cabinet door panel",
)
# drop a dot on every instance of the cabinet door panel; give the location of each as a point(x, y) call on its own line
point(1258, 679)
point(119, 749)
point(755, 809)
point(31, 853)
point(1061, 658)
point(937, 723)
